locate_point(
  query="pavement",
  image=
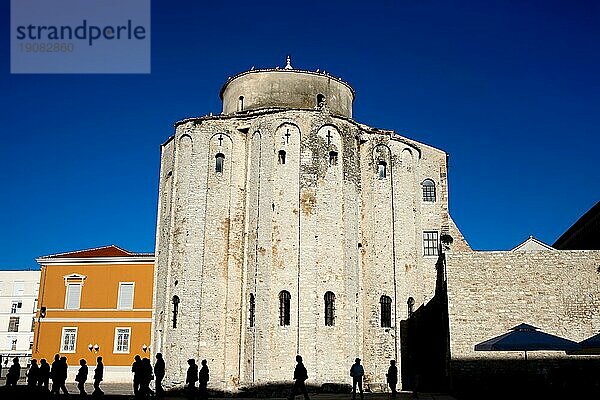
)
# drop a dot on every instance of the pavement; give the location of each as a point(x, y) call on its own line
point(125, 391)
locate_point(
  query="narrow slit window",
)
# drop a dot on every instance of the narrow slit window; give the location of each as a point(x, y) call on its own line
point(333, 158)
point(219, 161)
point(386, 311)
point(382, 169)
point(284, 308)
point(329, 309)
point(428, 190)
point(252, 309)
point(241, 103)
point(411, 306)
point(175, 310)
point(281, 157)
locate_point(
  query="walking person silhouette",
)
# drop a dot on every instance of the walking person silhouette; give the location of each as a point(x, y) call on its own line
point(44, 375)
point(33, 374)
point(136, 368)
point(14, 373)
point(62, 374)
point(159, 373)
point(98, 376)
point(392, 377)
point(191, 378)
point(203, 377)
point(357, 372)
point(81, 377)
point(300, 376)
point(55, 374)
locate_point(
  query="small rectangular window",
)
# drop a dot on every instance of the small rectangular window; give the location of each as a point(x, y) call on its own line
point(430, 243)
point(14, 307)
point(68, 340)
point(333, 158)
point(73, 296)
point(11, 343)
point(125, 299)
point(32, 324)
point(13, 324)
point(122, 338)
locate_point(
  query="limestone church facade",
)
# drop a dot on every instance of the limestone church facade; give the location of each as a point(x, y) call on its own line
point(286, 227)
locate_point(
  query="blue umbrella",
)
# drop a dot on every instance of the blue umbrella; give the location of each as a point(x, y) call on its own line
point(526, 338)
point(590, 345)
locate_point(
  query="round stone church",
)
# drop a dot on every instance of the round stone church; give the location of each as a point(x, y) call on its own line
point(286, 227)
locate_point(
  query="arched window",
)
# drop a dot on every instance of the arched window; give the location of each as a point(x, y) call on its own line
point(320, 100)
point(411, 306)
point(382, 169)
point(175, 310)
point(252, 308)
point(281, 157)
point(329, 309)
point(386, 311)
point(241, 103)
point(428, 190)
point(284, 308)
point(333, 158)
point(220, 160)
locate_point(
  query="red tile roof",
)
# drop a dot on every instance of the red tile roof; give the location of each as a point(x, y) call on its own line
point(104, 251)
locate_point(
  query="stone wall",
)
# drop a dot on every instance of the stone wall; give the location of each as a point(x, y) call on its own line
point(491, 292)
point(307, 226)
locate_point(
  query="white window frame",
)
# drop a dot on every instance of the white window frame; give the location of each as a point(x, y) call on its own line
point(62, 340)
point(115, 351)
point(67, 295)
point(16, 304)
point(121, 284)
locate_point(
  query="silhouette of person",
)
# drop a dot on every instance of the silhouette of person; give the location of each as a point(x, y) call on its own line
point(43, 374)
point(81, 377)
point(159, 373)
point(203, 378)
point(98, 376)
point(300, 376)
point(136, 368)
point(357, 372)
point(63, 374)
point(55, 375)
point(191, 377)
point(33, 374)
point(146, 377)
point(392, 377)
point(14, 373)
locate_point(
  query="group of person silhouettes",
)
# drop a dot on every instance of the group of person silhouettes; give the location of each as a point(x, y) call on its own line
point(357, 372)
point(38, 376)
point(193, 376)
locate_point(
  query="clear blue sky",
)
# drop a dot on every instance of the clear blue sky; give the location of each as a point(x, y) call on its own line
point(510, 89)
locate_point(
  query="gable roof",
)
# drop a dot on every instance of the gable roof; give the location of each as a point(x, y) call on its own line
point(104, 251)
point(533, 244)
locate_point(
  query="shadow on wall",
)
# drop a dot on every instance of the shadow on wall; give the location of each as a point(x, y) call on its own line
point(534, 379)
point(425, 346)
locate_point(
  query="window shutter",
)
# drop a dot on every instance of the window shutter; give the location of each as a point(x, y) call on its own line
point(125, 295)
point(73, 296)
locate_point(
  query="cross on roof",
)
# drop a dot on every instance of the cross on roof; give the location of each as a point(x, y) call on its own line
point(329, 137)
point(287, 136)
point(220, 140)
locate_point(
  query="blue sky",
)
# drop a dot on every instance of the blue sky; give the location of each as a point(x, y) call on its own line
point(509, 89)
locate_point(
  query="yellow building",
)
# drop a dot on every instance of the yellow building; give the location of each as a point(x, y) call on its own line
point(95, 302)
